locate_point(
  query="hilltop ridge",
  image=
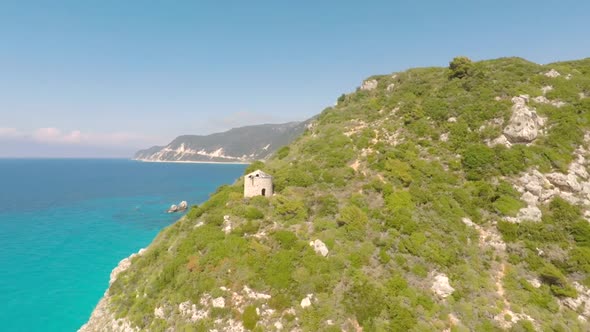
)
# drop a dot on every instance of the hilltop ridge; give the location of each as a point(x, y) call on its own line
point(427, 200)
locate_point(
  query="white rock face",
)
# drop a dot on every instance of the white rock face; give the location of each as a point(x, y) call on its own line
point(319, 247)
point(278, 326)
point(226, 224)
point(452, 119)
point(159, 313)
point(390, 87)
point(501, 140)
point(123, 265)
point(567, 182)
point(369, 85)
point(441, 286)
point(102, 319)
point(544, 100)
point(552, 73)
point(535, 282)
point(306, 302)
point(581, 302)
point(444, 137)
point(190, 311)
point(537, 188)
point(218, 302)
point(524, 125)
point(546, 89)
point(254, 295)
point(529, 213)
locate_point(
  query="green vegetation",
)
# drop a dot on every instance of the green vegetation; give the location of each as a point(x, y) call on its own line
point(374, 180)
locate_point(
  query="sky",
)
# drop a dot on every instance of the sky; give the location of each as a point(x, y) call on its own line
point(104, 78)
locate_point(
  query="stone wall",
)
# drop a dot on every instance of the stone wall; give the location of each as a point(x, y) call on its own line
point(254, 186)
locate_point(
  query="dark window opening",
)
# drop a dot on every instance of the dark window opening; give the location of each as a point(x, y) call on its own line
point(264, 192)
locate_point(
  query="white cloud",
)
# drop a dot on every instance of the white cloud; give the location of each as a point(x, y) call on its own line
point(55, 136)
point(9, 133)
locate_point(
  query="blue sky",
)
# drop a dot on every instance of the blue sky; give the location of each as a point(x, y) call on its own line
point(102, 78)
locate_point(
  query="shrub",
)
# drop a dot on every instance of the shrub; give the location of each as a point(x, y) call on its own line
point(460, 67)
point(283, 152)
point(478, 161)
point(286, 239)
point(252, 213)
point(250, 317)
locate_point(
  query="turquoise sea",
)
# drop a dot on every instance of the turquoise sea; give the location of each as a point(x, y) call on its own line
point(66, 223)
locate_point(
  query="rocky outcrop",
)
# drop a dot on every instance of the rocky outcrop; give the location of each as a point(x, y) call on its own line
point(544, 100)
point(552, 73)
point(369, 85)
point(441, 286)
point(178, 208)
point(319, 247)
point(537, 188)
point(306, 302)
point(546, 89)
point(227, 226)
point(581, 304)
point(524, 125)
point(102, 319)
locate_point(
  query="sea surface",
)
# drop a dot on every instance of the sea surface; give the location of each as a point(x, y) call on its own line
point(66, 223)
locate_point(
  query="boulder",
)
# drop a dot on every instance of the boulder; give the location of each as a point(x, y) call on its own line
point(581, 304)
point(501, 140)
point(567, 182)
point(227, 227)
point(524, 125)
point(159, 313)
point(546, 89)
point(183, 205)
point(173, 208)
point(319, 247)
point(441, 286)
point(552, 73)
point(306, 302)
point(218, 302)
point(529, 213)
point(452, 119)
point(369, 85)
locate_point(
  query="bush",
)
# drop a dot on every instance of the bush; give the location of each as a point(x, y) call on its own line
point(478, 161)
point(283, 152)
point(252, 213)
point(250, 317)
point(460, 67)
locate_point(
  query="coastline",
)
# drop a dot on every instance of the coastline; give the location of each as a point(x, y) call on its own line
point(193, 162)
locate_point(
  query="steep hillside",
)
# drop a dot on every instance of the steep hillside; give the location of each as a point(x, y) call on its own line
point(428, 200)
point(242, 144)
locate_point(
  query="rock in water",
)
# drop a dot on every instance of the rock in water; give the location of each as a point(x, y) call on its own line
point(183, 205)
point(173, 208)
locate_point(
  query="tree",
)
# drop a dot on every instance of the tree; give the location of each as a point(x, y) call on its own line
point(460, 67)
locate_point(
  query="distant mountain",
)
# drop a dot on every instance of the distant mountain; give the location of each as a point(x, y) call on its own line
point(242, 144)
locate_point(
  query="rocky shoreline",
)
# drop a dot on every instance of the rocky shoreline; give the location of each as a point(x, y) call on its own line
point(102, 319)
